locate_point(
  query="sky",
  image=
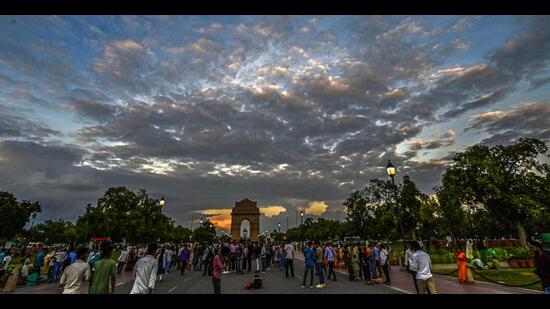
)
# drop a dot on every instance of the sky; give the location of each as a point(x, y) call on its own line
point(294, 112)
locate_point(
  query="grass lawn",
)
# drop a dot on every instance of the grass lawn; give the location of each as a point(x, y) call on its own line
point(515, 276)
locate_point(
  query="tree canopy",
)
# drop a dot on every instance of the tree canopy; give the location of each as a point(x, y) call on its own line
point(14, 215)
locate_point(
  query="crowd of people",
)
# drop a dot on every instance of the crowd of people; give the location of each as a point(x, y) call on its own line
point(362, 261)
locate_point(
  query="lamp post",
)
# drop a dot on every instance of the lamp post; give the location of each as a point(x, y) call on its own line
point(391, 170)
point(301, 217)
point(279, 225)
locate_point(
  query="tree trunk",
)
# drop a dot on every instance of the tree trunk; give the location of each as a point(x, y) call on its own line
point(521, 234)
point(413, 235)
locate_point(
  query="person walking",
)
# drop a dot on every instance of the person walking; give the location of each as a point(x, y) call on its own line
point(184, 258)
point(161, 258)
point(76, 273)
point(59, 259)
point(319, 265)
point(122, 259)
point(309, 261)
point(289, 259)
point(268, 255)
point(542, 261)
point(462, 264)
point(104, 273)
point(257, 256)
point(210, 253)
point(356, 261)
point(218, 264)
point(422, 264)
point(249, 255)
point(384, 254)
point(263, 255)
point(346, 257)
point(281, 256)
point(331, 256)
point(145, 272)
point(408, 261)
point(168, 255)
point(366, 264)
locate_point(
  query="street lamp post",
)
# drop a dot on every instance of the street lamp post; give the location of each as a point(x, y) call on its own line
point(279, 225)
point(391, 170)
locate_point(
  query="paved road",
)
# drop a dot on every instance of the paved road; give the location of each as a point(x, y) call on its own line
point(274, 281)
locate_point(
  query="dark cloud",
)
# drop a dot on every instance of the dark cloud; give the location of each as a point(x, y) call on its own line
point(91, 104)
point(529, 119)
point(13, 126)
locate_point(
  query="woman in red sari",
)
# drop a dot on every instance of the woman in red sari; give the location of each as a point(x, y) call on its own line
point(462, 264)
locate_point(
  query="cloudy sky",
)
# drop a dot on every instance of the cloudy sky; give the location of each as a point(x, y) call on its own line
point(288, 111)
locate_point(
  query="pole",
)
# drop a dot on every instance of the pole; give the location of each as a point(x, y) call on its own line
point(399, 216)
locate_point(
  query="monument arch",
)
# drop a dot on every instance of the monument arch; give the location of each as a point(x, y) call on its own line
point(245, 215)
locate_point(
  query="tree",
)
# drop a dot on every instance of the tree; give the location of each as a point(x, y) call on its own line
point(205, 232)
point(430, 217)
point(180, 234)
point(54, 232)
point(15, 215)
point(509, 181)
point(409, 201)
point(123, 214)
point(372, 212)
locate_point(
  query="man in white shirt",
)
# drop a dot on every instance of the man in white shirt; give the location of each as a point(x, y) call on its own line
point(384, 254)
point(122, 259)
point(289, 259)
point(75, 274)
point(145, 272)
point(422, 264)
point(168, 259)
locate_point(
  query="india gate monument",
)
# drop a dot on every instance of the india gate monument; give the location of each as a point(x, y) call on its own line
point(245, 220)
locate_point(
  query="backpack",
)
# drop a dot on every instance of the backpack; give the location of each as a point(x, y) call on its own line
point(255, 283)
point(210, 254)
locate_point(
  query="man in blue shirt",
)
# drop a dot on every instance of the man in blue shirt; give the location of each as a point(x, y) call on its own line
point(72, 255)
point(376, 269)
point(309, 260)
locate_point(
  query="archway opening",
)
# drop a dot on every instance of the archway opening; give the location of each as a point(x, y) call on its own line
point(245, 229)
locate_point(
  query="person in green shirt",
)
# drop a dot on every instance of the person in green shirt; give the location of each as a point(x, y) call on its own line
point(105, 272)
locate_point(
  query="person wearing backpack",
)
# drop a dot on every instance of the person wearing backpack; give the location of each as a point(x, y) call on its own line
point(208, 260)
point(331, 257)
point(239, 258)
point(268, 254)
point(309, 261)
point(249, 255)
point(160, 259)
point(366, 265)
